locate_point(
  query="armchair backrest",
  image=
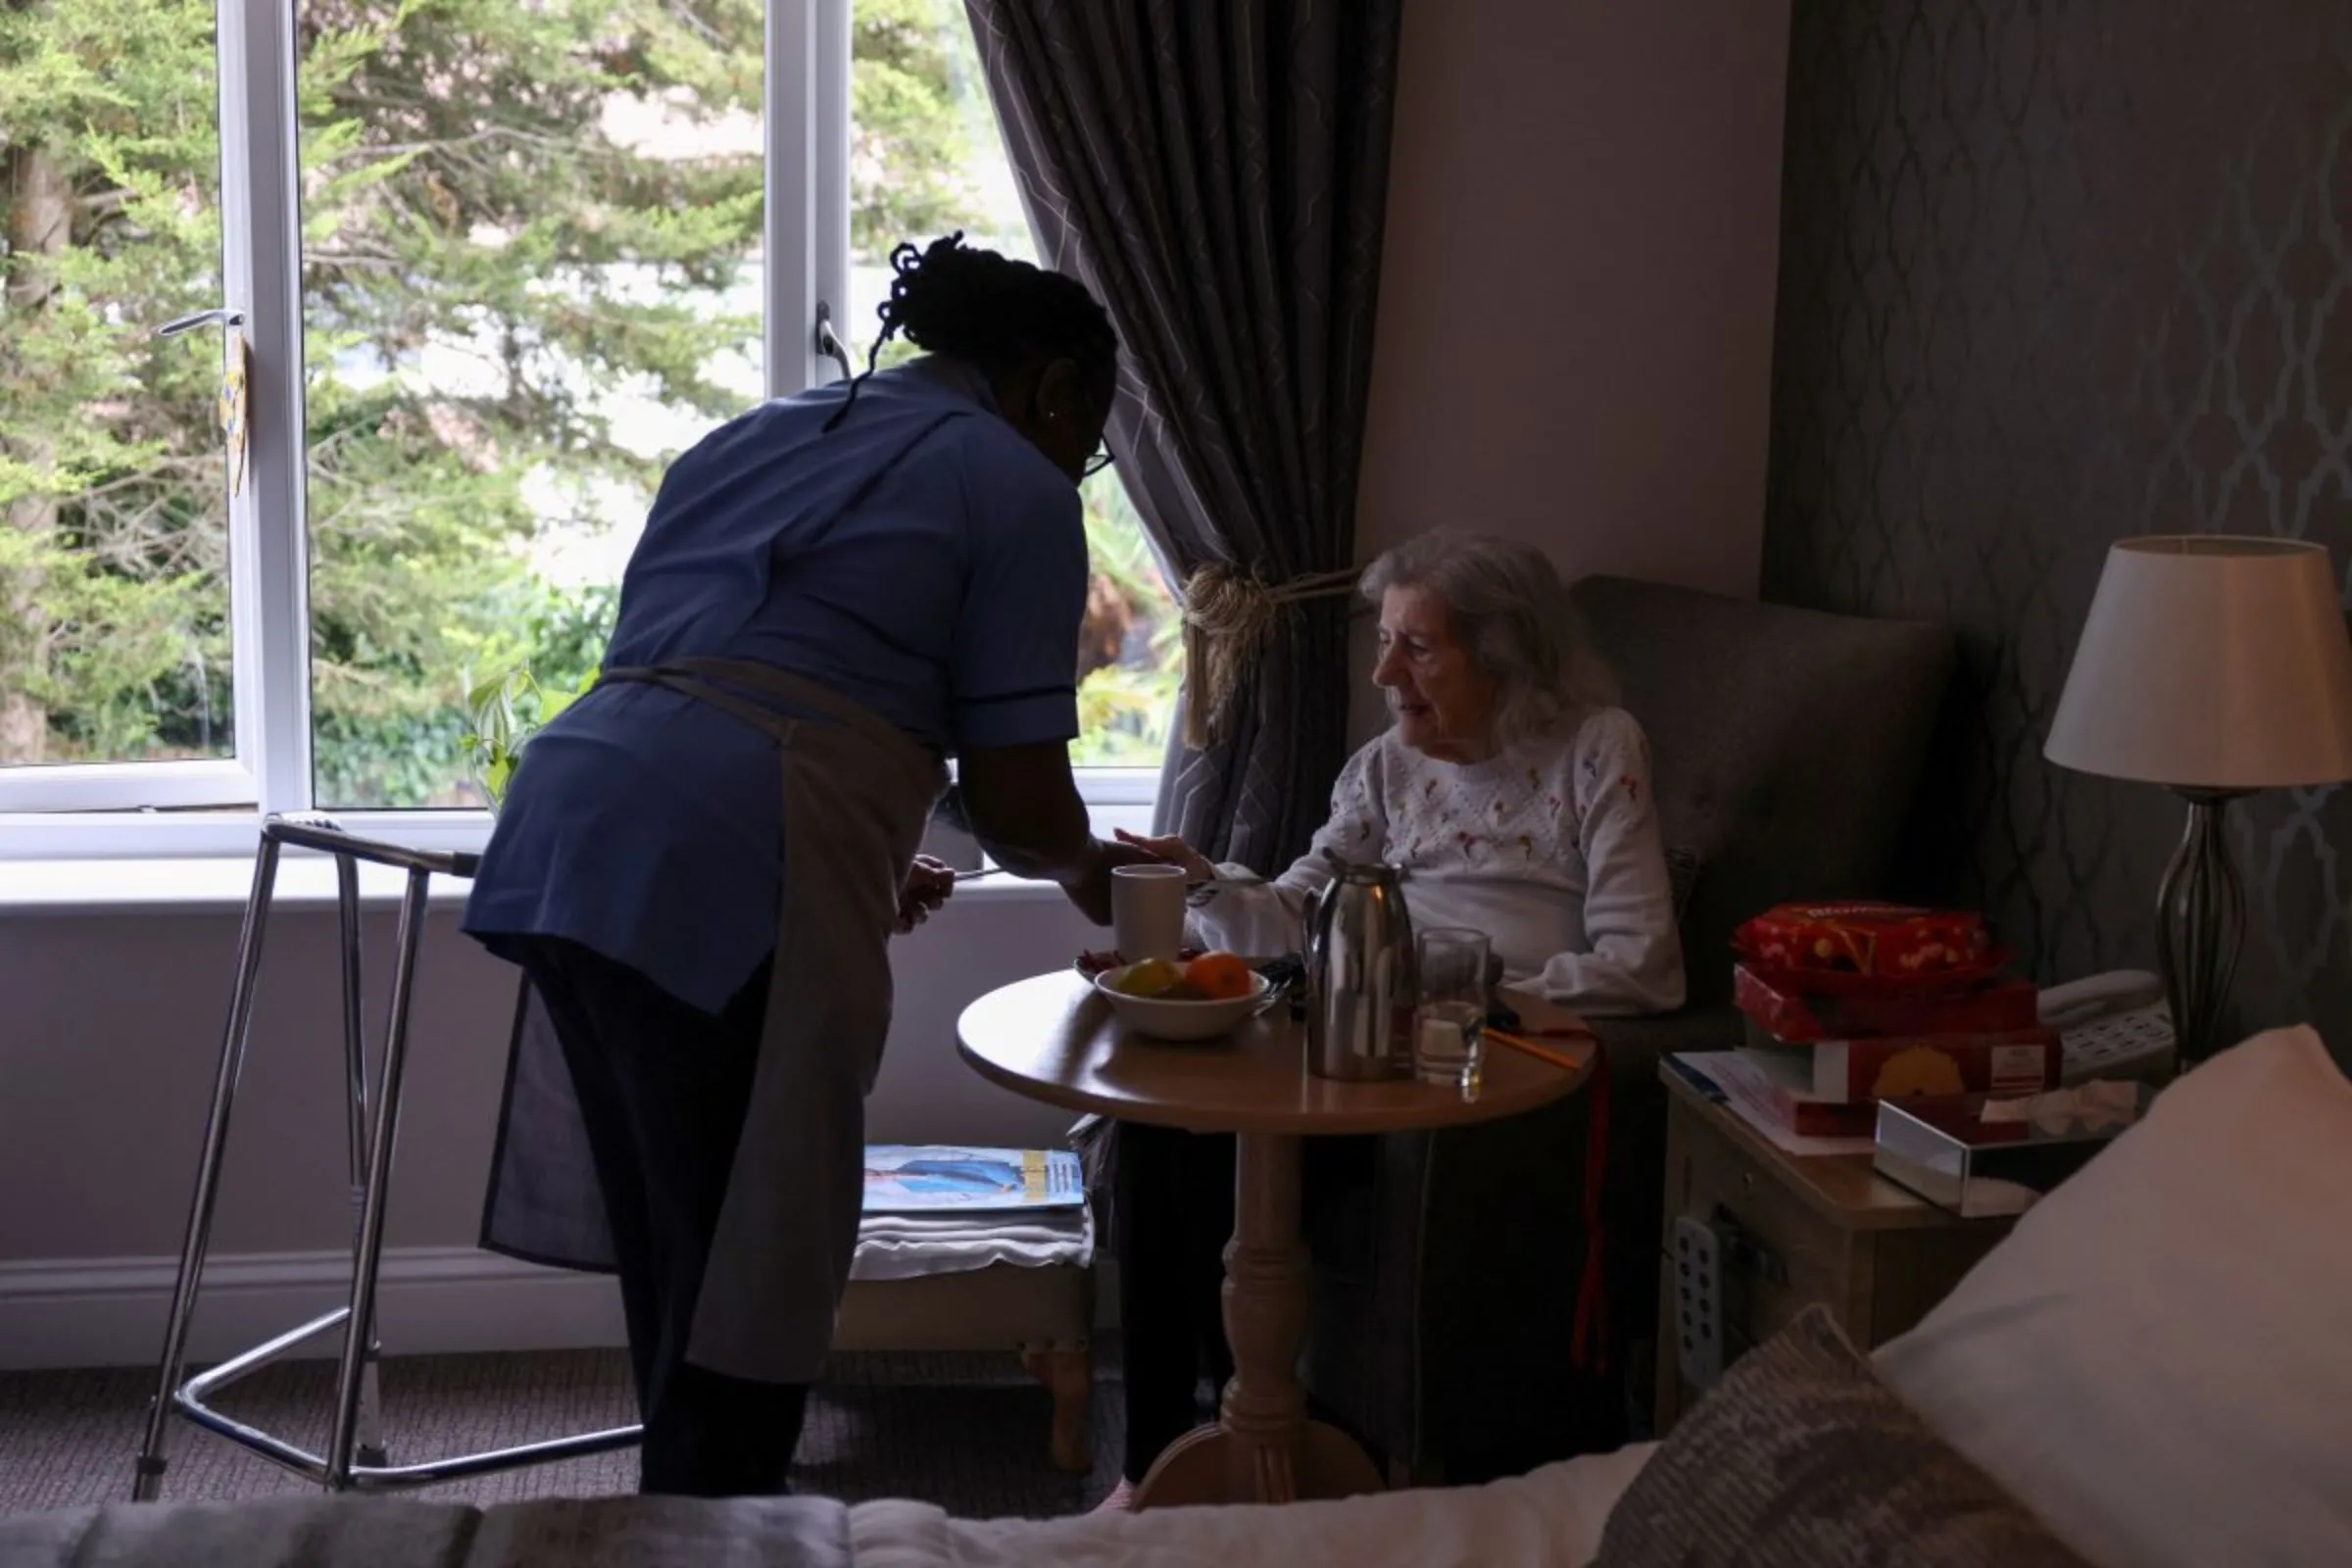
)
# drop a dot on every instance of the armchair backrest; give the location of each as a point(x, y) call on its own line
point(1786, 743)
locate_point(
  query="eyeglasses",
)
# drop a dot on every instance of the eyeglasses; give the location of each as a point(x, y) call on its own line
point(1096, 465)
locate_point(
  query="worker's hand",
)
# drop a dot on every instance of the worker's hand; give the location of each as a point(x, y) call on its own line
point(929, 884)
point(1091, 893)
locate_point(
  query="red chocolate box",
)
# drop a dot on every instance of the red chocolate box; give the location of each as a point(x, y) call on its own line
point(1884, 940)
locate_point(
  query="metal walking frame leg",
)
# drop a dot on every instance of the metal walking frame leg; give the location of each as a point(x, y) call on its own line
point(356, 1459)
point(359, 1327)
point(368, 1444)
point(148, 1478)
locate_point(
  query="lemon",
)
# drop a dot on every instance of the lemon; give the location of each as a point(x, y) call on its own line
point(1149, 978)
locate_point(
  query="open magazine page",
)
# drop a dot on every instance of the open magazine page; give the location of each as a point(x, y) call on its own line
point(918, 1178)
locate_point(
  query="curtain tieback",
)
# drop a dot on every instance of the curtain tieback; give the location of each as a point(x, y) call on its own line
point(1226, 616)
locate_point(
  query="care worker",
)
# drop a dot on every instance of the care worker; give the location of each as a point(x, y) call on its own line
point(699, 864)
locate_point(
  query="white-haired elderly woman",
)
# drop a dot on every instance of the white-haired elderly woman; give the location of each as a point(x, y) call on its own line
point(1516, 796)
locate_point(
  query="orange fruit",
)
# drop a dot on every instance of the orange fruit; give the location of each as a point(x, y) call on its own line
point(1221, 976)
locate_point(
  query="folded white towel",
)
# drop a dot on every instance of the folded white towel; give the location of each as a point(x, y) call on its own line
point(899, 1246)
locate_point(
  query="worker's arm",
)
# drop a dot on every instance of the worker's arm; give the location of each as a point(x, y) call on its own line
point(1021, 803)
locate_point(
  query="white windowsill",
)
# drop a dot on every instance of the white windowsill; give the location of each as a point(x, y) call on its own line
point(203, 861)
point(194, 885)
point(218, 884)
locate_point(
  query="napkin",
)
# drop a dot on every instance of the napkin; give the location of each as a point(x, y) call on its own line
point(2092, 1108)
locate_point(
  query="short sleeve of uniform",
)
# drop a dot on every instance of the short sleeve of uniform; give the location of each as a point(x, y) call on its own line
point(1014, 680)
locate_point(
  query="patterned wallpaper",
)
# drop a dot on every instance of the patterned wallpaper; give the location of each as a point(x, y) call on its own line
point(2053, 274)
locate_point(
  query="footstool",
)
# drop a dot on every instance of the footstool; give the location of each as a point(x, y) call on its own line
point(1036, 1299)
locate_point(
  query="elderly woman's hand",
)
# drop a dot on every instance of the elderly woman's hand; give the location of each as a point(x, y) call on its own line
point(1175, 852)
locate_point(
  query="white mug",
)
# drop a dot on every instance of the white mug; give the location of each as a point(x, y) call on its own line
point(1146, 912)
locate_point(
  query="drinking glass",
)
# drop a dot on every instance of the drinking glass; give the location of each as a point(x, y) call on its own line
point(1451, 1014)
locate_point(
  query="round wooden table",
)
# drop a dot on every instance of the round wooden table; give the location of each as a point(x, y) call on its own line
point(1054, 1039)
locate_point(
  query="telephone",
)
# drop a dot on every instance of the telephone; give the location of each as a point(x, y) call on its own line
point(2114, 1025)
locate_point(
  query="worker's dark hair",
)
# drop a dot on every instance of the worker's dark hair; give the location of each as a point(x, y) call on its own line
point(997, 312)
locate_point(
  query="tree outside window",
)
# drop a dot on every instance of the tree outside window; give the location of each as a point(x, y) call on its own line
point(531, 275)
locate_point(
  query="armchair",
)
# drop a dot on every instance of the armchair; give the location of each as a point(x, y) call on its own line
point(1787, 747)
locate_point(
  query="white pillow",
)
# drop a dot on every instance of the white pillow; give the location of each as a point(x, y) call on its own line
point(2158, 1361)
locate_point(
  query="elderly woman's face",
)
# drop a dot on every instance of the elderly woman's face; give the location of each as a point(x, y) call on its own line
point(1444, 702)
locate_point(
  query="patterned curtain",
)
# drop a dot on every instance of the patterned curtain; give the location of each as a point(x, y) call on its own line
point(1217, 172)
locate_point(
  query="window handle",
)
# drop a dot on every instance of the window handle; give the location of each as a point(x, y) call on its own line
point(828, 343)
point(188, 323)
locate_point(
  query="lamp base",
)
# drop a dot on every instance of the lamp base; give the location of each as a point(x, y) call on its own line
point(2200, 924)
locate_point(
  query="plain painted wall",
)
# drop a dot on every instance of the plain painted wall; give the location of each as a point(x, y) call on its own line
point(113, 1032)
point(1575, 339)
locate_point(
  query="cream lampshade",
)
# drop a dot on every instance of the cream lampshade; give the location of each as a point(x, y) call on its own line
point(2216, 665)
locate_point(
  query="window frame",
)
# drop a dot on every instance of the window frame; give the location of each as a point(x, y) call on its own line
point(212, 806)
point(267, 560)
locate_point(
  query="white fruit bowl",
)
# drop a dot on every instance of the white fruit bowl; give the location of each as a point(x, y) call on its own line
point(1184, 1021)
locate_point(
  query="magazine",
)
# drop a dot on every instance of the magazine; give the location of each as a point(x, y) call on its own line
point(911, 1178)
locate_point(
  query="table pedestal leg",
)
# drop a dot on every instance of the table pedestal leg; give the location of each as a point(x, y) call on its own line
point(1262, 1448)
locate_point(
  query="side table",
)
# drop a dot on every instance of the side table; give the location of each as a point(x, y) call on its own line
point(1802, 1229)
point(1054, 1040)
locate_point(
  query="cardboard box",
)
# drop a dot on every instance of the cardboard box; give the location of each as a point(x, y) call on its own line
point(1788, 1074)
point(2016, 1062)
point(1942, 1149)
point(1831, 1090)
point(1810, 1117)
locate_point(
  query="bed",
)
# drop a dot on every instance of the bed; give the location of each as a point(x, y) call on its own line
point(2148, 1372)
point(1551, 1516)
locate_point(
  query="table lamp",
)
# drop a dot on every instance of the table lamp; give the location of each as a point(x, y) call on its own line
point(2217, 665)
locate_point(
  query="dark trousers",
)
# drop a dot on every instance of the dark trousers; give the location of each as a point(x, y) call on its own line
point(1172, 1196)
point(661, 1088)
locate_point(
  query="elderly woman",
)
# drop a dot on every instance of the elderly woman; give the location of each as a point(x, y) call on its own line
point(1516, 797)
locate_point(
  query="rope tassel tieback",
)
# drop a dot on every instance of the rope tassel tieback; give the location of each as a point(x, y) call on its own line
point(1226, 617)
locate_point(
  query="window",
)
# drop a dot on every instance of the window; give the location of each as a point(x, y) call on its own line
point(497, 263)
point(117, 669)
point(925, 158)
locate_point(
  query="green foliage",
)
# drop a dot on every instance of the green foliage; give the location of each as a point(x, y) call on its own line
point(915, 71)
point(524, 226)
point(116, 626)
point(551, 646)
point(507, 709)
point(1124, 709)
point(110, 644)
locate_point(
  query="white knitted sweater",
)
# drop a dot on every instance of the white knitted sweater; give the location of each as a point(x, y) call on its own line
point(1552, 848)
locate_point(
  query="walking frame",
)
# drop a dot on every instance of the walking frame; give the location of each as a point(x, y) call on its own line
point(357, 1458)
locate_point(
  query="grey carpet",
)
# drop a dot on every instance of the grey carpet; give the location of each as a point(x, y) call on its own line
point(964, 1431)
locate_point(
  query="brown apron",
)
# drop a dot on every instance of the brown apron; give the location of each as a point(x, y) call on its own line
point(858, 793)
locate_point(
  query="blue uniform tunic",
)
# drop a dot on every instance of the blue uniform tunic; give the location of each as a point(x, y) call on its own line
point(921, 560)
